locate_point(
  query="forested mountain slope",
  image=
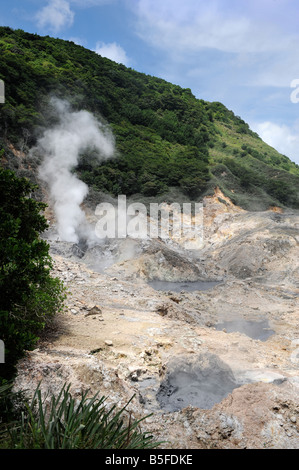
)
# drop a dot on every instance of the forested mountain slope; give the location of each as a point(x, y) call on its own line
point(169, 144)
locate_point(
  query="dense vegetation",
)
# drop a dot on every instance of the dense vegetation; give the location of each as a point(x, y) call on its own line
point(30, 296)
point(165, 137)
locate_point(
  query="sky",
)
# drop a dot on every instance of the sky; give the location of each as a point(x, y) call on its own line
point(243, 53)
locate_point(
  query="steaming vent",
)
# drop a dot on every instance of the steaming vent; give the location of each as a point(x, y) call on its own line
point(201, 383)
point(79, 249)
point(75, 133)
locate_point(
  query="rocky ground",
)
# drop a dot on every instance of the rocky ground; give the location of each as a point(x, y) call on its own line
point(217, 368)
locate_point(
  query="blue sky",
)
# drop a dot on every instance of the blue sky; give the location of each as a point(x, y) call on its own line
point(244, 53)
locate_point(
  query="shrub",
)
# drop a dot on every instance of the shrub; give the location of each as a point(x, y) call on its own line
point(29, 295)
point(66, 423)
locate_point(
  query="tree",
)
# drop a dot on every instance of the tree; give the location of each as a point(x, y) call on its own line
point(30, 296)
point(192, 185)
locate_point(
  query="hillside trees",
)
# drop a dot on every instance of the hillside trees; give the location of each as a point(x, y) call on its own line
point(30, 296)
point(147, 113)
point(155, 124)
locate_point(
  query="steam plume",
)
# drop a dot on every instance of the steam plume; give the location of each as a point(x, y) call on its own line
point(61, 147)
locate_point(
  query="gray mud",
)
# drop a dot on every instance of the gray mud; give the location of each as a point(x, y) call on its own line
point(254, 329)
point(201, 383)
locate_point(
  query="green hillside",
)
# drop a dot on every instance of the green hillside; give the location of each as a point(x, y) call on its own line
point(169, 144)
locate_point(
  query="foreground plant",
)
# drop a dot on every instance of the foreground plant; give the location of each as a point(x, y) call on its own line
point(63, 422)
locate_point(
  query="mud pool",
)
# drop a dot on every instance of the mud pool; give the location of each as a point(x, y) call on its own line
point(259, 330)
point(201, 383)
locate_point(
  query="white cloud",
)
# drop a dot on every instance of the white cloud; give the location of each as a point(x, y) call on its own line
point(112, 51)
point(196, 24)
point(283, 138)
point(77, 40)
point(55, 16)
point(252, 37)
point(91, 3)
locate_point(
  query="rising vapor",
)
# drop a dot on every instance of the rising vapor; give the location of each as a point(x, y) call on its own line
point(61, 146)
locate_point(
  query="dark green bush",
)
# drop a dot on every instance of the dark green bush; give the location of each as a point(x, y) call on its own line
point(29, 295)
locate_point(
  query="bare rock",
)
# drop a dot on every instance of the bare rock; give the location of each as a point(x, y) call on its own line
point(95, 310)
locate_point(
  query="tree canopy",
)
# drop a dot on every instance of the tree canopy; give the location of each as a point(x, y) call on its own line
point(165, 136)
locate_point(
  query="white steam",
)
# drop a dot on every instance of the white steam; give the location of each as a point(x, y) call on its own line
point(61, 146)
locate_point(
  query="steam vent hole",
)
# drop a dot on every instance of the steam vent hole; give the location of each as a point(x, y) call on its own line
point(201, 383)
